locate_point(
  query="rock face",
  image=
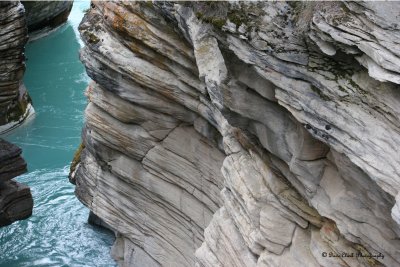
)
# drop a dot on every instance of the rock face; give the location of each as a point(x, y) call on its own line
point(16, 201)
point(243, 134)
point(46, 14)
point(15, 19)
point(15, 104)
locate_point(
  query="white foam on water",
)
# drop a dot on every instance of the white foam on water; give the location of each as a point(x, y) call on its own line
point(77, 12)
point(28, 115)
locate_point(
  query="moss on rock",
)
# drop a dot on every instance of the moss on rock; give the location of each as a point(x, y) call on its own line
point(75, 161)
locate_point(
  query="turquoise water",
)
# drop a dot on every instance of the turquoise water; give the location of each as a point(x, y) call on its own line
point(57, 234)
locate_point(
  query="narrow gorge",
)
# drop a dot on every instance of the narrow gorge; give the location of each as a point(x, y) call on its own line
point(243, 133)
point(57, 232)
point(15, 103)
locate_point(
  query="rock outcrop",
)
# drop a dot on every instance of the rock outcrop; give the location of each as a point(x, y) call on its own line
point(15, 104)
point(46, 15)
point(243, 134)
point(16, 201)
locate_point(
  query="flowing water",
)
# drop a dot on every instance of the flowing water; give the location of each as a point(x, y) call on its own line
point(57, 234)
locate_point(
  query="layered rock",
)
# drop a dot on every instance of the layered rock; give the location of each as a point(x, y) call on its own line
point(16, 201)
point(46, 15)
point(15, 20)
point(15, 104)
point(243, 134)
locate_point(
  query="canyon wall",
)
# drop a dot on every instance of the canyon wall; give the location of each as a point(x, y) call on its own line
point(15, 104)
point(16, 201)
point(15, 20)
point(46, 15)
point(243, 134)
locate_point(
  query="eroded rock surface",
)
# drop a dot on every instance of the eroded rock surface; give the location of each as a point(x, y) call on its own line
point(243, 134)
point(16, 201)
point(14, 100)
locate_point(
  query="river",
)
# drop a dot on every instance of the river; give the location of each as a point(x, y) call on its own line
point(57, 234)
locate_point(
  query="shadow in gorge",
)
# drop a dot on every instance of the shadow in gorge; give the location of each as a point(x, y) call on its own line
point(57, 234)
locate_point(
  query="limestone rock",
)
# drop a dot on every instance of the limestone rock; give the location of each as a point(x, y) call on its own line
point(243, 133)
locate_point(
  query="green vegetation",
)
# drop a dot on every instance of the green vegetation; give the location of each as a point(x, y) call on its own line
point(18, 108)
point(218, 22)
point(92, 38)
point(77, 158)
point(238, 17)
point(320, 93)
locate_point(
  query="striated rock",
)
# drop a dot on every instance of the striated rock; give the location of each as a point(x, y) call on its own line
point(12, 164)
point(15, 20)
point(15, 103)
point(243, 133)
point(16, 201)
point(46, 14)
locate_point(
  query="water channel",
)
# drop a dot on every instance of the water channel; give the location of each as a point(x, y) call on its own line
point(57, 234)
